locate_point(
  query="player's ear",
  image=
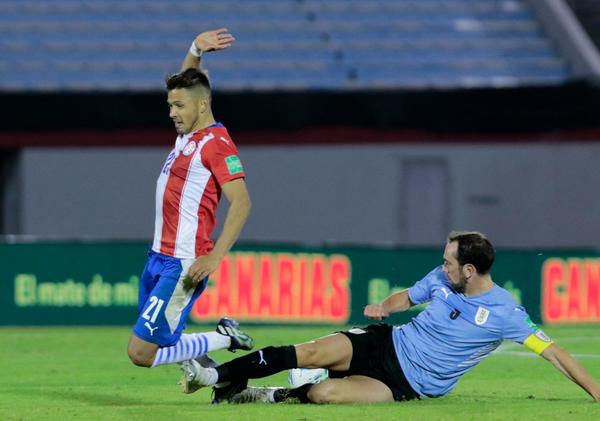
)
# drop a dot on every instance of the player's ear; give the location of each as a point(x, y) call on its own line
point(468, 270)
point(199, 96)
point(203, 105)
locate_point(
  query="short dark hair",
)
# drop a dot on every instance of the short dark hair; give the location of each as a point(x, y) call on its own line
point(189, 78)
point(473, 248)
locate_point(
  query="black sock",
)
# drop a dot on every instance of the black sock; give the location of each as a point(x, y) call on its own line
point(261, 363)
point(301, 393)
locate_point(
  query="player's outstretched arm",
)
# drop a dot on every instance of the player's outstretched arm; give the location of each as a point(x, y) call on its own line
point(239, 209)
point(571, 368)
point(218, 39)
point(392, 304)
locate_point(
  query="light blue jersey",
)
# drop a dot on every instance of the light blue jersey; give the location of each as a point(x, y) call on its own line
point(454, 332)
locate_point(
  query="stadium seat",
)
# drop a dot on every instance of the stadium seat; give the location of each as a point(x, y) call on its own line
point(281, 44)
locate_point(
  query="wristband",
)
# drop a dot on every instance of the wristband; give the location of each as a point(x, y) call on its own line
point(195, 51)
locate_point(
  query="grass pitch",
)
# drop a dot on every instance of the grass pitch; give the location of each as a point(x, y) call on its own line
point(84, 373)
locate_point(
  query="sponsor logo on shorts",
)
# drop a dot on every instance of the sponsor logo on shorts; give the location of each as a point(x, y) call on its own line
point(189, 148)
point(150, 328)
point(357, 331)
point(482, 315)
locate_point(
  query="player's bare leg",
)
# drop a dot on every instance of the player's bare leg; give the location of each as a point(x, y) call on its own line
point(333, 352)
point(142, 353)
point(352, 389)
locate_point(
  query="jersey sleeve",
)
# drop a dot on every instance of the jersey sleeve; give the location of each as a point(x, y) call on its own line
point(421, 291)
point(521, 329)
point(221, 157)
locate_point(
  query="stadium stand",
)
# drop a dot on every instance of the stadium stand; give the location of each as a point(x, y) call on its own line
point(57, 45)
point(588, 13)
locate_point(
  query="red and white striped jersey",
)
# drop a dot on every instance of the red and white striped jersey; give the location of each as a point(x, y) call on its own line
point(188, 191)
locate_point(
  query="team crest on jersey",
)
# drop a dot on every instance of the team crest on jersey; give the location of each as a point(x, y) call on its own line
point(189, 148)
point(482, 315)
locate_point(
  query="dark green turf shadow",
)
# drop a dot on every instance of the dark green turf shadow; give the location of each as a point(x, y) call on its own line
point(99, 399)
point(494, 398)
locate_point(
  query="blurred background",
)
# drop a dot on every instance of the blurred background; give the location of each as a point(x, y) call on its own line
point(368, 131)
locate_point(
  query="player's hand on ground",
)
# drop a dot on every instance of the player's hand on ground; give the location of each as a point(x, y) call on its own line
point(219, 39)
point(375, 312)
point(202, 267)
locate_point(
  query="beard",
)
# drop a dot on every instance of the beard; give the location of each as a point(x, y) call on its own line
point(461, 285)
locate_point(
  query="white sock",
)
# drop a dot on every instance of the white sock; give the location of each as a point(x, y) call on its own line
point(217, 341)
point(190, 346)
point(211, 376)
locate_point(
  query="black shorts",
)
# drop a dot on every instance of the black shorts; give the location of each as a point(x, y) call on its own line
point(373, 355)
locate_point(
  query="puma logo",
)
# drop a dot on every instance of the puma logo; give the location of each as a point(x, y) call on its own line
point(446, 293)
point(224, 140)
point(150, 328)
point(262, 360)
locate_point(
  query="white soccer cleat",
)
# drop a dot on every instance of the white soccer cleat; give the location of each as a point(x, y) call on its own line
point(188, 376)
point(256, 395)
point(194, 376)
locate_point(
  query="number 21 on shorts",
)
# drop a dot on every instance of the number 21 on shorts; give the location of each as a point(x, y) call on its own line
point(154, 308)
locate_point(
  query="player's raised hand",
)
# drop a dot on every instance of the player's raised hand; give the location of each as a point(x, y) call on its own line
point(202, 267)
point(218, 39)
point(375, 312)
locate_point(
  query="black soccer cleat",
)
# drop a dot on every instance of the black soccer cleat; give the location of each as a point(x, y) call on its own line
point(222, 392)
point(225, 393)
point(239, 339)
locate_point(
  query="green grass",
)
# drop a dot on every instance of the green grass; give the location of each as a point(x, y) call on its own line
point(84, 373)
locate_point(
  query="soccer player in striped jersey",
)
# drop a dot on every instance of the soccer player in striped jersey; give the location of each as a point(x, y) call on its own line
point(203, 164)
point(467, 318)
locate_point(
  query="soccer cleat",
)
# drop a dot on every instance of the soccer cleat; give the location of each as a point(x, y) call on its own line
point(256, 395)
point(205, 361)
point(224, 393)
point(239, 339)
point(194, 376)
point(188, 383)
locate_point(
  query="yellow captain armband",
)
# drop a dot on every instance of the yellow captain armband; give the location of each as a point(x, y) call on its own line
point(538, 341)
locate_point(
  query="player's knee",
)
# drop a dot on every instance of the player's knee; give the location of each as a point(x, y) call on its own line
point(140, 358)
point(307, 354)
point(324, 392)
